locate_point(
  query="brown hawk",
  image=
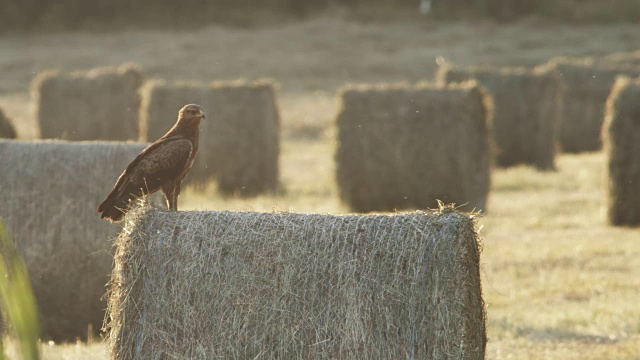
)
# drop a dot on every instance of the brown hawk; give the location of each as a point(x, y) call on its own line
point(161, 166)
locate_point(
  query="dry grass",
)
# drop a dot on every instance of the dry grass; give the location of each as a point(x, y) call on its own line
point(559, 282)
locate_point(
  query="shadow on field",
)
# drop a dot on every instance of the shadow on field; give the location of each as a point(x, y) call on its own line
point(560, 335)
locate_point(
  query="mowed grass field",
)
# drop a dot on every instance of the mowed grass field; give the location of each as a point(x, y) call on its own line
point(559, 283)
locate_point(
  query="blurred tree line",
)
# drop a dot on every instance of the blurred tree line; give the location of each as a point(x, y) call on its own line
point(72, 14)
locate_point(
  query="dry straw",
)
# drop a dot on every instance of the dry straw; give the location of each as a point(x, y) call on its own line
point(239, 139)
point(49, 191)
point(101, 104)
point(585, 85)
point(402, 147)
point(7, 130)
point(242, 285)
point(525, 111)
point(621, 134)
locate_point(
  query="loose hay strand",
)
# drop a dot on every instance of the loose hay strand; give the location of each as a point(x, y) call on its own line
point(206, 285)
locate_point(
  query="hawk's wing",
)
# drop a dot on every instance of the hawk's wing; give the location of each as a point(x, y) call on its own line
point(160, 164)
point(157, 165)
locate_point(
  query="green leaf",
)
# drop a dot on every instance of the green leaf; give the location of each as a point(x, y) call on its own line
point(16, 299)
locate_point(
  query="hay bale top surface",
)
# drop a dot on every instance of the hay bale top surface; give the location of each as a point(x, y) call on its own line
point(488, 69)
point(208, 221)
point(498, 80)
point(405, 86)
point(624, 57)
point(363, 95)
point(202, 285)
point(154, 121)
point(574, 61)
point(359, 93)
point(563, 62)
point(145, 211)
point(590, 74)
point(129, 71)
point(216, 84)
point(79, 170)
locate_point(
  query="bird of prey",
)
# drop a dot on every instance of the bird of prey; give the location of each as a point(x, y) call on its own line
point(161, 166)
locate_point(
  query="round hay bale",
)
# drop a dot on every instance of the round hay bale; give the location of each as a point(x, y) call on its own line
point(403, 147)
point(205, 285)
point(526, 105)
point(6, 127)
point(240, 140)
point(621, 134)
point(585, 85)
point(49, 191)
point(100, 104)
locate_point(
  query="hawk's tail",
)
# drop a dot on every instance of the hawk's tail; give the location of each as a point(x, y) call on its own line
point(118, 202)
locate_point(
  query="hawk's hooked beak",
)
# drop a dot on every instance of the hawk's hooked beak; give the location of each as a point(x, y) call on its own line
point(201, 114)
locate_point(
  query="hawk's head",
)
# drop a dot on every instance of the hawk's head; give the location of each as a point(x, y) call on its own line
point(191, 112)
